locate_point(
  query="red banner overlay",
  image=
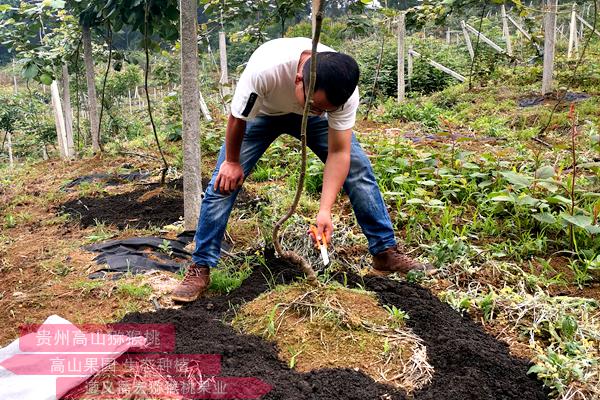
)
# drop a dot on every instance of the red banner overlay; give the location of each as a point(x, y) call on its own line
point(172, 388)
point(64, 338)
point(86, 364)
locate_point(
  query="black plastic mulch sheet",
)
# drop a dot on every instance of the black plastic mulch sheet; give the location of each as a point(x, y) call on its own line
point(139, 255)
point(568, 97)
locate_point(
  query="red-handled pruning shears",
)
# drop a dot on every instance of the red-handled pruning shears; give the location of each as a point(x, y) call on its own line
point(321, 245)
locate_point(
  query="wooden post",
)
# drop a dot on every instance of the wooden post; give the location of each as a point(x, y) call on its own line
point(572, 32)
point(16, 87)
point(410, 65)
point(224, 73)
point(448, 36)
point(441, 67)
point(401, 35)
point(467, 39)
point(204, 108)
point(519, 27)
point(485, 39)
point(584, 22)
point(137, 96)
point(506, 31)
point(11, 161)
point(68, 112)
point(59, 121)
point(549, 42)
point(130, 105)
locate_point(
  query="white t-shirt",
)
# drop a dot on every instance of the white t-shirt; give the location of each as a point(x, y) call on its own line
point(266, 87)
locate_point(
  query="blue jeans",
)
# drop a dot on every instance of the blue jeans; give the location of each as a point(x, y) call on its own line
point(360, 185)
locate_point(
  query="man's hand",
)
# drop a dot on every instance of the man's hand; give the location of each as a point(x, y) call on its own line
point(324, 226)
point(230, 177)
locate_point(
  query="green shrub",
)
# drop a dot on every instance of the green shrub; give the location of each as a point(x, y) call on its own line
point(427, 113)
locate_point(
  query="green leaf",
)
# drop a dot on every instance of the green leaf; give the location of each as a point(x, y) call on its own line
point(545, 217)
point(560, 200)
point(536, 369)
point(520, 181)
point(593, 229)
point(415, 201)
point(46, 79)
point(580, 220)
point(30, 71)
point(548, 186)
point(544, 172)
point(527, 200)
point(507, 198)
point(427, 183)
point(435, 203)
point(568, 327)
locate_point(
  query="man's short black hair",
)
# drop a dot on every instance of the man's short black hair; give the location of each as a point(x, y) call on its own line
point(337, 75)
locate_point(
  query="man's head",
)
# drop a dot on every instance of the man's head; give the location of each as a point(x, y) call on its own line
point(337, 77)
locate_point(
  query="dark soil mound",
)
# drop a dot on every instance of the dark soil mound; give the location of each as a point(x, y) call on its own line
point(469, 364)
point(138, 209)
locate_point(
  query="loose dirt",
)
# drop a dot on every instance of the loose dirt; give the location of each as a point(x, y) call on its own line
point(469, 364)
point(150, 205)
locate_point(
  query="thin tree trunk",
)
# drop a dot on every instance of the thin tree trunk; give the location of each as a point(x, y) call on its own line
point(67, 110)
point(190, 109)
point(91, 86)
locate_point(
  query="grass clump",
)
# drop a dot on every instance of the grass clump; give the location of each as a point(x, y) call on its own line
point(336, 327)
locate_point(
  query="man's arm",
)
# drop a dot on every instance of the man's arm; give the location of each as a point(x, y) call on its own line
point(337, 166)
point(231, 173)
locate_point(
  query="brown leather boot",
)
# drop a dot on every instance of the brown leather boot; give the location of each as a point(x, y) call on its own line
point(392, 260)
point(194, 284)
